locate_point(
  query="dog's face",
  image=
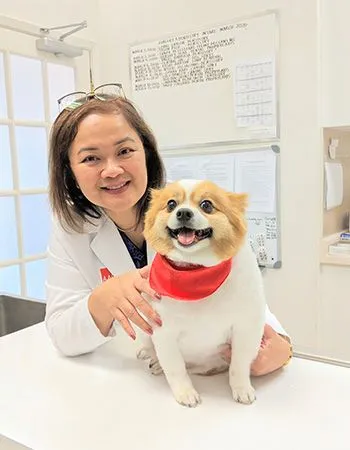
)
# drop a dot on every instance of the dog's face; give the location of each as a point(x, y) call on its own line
point(196, 222)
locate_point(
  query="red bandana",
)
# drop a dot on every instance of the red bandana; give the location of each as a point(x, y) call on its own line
point(184, 283)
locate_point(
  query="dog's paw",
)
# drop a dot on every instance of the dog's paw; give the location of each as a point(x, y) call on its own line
point(243, 394)
point(148, 355)
point(155, 367)
point(187, 396)
point(144, 353)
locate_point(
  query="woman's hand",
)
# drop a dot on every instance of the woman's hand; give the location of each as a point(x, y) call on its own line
point(275, 351)
point(119, 298)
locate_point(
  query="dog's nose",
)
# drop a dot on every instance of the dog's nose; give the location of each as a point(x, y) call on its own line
point(184, 214)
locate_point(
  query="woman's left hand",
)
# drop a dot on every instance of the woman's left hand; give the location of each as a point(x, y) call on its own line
point(275, 351)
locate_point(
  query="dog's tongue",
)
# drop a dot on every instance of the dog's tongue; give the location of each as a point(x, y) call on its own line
point(186, 237)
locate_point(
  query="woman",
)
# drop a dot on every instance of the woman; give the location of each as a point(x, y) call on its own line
point(103, 162)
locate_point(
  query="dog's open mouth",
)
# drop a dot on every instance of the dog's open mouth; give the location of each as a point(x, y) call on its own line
point(187, 236)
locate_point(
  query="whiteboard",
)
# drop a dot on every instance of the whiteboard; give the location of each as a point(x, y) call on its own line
point(214, 85)
point(254, 171)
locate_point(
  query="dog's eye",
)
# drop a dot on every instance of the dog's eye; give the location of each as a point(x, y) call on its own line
point(171, 205)
point(207, 206)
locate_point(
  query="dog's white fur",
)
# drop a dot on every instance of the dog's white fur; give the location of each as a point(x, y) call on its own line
point(192, 332)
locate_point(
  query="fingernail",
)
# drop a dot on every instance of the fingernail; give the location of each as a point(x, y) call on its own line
point(149, 331)
point(158, 321)
point(132, 335)
point(158, 296)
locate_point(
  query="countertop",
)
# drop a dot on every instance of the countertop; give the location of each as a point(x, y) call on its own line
point(108, 400)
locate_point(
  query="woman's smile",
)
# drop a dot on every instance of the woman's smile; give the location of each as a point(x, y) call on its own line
point(116, 188)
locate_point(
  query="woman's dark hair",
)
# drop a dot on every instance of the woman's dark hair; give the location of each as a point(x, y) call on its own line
point(67, 201)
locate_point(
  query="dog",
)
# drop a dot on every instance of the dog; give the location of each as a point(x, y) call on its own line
point(211, 287)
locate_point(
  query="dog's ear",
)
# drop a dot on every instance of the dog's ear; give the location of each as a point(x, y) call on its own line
point(154, 194)
point(239, 201)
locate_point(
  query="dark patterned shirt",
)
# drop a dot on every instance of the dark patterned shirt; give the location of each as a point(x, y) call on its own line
point(139, 256)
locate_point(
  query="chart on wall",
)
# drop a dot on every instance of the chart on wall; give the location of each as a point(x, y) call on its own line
point(214, 85)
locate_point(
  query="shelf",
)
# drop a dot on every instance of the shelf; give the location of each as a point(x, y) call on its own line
point(326, 258)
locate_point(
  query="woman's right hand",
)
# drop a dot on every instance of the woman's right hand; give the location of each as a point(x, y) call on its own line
point(119, 298)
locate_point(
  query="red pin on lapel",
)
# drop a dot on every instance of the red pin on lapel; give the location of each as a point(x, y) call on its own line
point(105, 274)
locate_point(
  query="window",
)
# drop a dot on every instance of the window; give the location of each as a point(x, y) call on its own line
point(29, 88)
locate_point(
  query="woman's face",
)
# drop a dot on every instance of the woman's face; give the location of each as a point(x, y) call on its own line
point(108, 161)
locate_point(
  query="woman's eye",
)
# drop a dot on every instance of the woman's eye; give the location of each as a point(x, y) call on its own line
point(125, 151)
point(90, 159)
point(171, 205)
point(207, 206)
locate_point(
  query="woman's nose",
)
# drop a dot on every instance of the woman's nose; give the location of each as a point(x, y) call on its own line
point(111, 169)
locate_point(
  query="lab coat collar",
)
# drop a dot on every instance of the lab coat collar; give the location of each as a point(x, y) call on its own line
point(110, 249)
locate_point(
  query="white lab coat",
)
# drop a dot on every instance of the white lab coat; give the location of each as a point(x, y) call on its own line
point(74, 270)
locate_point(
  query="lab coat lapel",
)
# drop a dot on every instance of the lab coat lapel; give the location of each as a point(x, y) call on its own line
point(110, 249)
